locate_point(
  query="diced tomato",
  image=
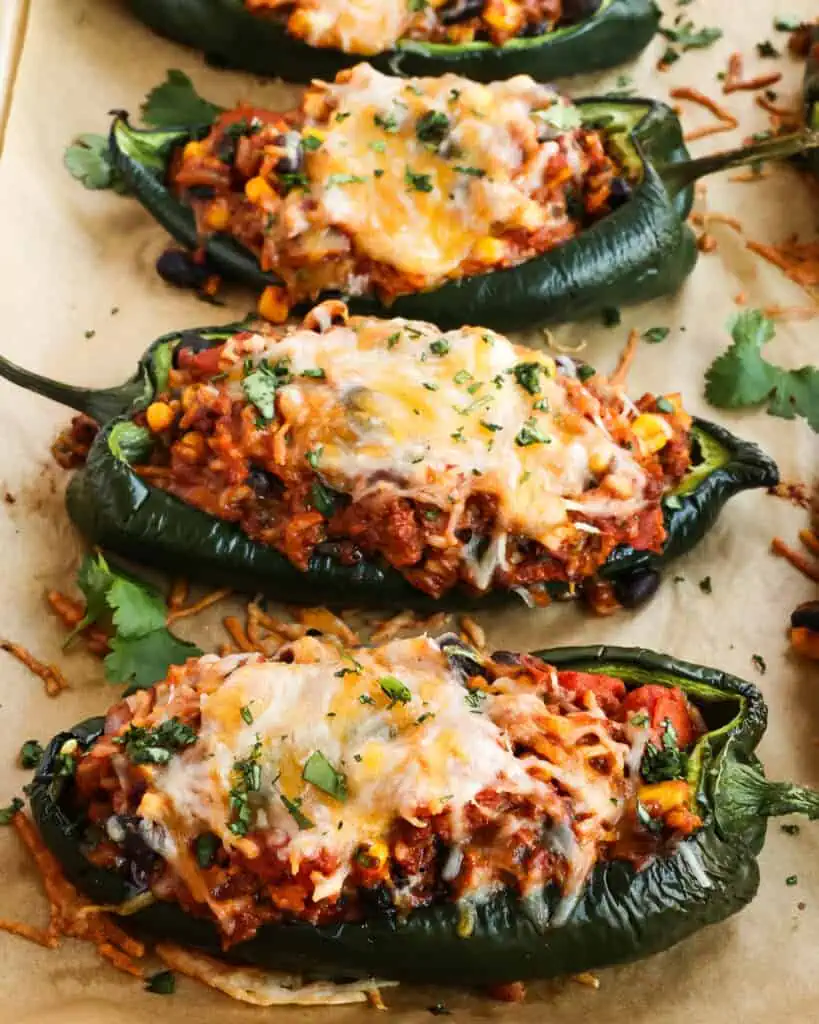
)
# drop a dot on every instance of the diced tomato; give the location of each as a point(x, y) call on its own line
point(608, 689)
point(204, 363)
point(663, 703)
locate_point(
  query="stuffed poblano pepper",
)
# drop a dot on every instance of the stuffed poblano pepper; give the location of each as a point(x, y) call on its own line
point(360, 461)
point(439, 198)
point(419, 811)
point(485, 39)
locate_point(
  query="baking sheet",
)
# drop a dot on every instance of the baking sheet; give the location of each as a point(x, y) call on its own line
point(79, 299)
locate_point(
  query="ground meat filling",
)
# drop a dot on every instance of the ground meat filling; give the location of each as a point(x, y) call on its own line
point(214, 450)
point(601, 776)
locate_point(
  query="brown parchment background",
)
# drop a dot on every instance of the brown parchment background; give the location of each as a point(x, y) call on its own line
point(68, 257)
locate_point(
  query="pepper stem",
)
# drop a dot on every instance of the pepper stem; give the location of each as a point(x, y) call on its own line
point(101, 404)
point(744, 794)
point(679, 176)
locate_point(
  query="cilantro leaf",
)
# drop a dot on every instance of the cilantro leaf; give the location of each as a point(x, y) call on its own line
point(741, 377)
point(138, 609)
point(142, 648)
point(87, 160)
point(176, 103)
point(143, 660)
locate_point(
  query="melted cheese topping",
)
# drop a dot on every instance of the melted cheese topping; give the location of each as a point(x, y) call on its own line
point(431, 750)
point(439, 417)
point(421, 207)
point(354, 26)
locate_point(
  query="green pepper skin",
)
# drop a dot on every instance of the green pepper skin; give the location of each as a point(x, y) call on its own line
point(811, 94)
point(621, 915)
point(232, 36)
point(116, 510)
point(638, 252)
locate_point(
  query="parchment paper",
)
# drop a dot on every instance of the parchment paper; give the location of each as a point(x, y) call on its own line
point(70, 257)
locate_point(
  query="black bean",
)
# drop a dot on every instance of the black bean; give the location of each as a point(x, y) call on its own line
point(201, 191)
point(141, 859)
point(620, 193)
point(266, 485)
point(534, 29)
point(806, 616)
point(459, 10)
point(506, 658)
point(578, 10)
point(178, 267)
point(637, 587)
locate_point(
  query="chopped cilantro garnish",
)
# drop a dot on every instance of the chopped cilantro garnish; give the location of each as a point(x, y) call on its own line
point(315, 374)
point(311, 143)
point(7, 813)
point(759, 663)
point(345, 179)
point(387, 122)
point(417, 182)
point(560, 116)
point(439, 347)
point(314, 455)
point(247, 714)
point(298, 179)
point(246, 778)
point(767, 49)
point(206, 847)
point(320, 773)
point(432, 128)
point(378, 147)
point(705, 585)
point(660, 764)
point(474, 699)
point(473, 172)
point(787, 23)
point(663, 405)
point(397, 691)
point(155, 746)
point(584, 371)
point(30, 754)
point(163, 983)
point(294, 808)
point(364, 698)
point(322, 500)
point(393, 339)
point(493, 427)
point(430, 385)
point(690, 38)
point(528, 376)
point(530, 434)
point(656, 334)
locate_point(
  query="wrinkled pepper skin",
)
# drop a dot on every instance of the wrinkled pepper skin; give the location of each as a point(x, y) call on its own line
point(232, 36)
point(638, 252)
point(116, 510)
point(621, 915)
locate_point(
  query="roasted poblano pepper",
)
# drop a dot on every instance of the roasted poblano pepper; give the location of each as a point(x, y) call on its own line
point(606, 33)
point(117, 510)
point(639, 251)
point(621, 915)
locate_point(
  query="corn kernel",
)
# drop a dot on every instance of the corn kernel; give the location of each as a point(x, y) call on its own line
point(188, 397)
point(258, 190)
point(503, 15)
point(618, 484)
point(273, 304)
point(217, 217)
point(653, 432)
point(374, 855)
point(665, 795)
point(194, 151)
point(599, 461)
point(159, 416)
point(489, 250)
point(533, 216)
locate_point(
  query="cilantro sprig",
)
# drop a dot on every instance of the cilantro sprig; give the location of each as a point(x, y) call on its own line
point(741, 378)
point(142, 647)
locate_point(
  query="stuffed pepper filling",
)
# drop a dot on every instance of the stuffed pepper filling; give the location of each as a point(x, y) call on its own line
point(389, 186)
point(372, 26)
point(455, 458)
point(327, 784)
